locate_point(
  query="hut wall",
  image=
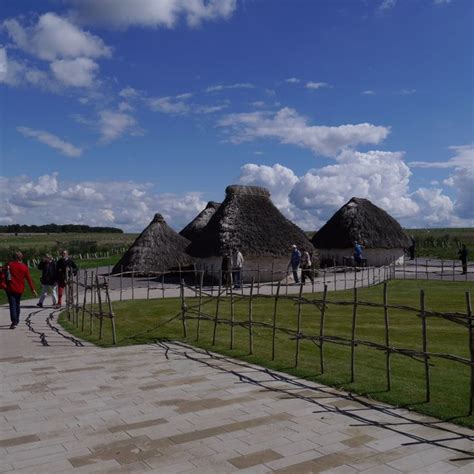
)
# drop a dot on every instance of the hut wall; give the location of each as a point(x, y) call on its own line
point(253, 267)
point(375, 257)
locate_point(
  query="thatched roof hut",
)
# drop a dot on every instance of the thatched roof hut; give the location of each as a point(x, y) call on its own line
point(191, 231)
point(249, 221)
point(359, 220)
point(156, 249)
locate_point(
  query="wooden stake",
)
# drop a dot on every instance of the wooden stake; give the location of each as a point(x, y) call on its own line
point(321, 328)
point(84, 301)
point(232, 316)
point(217, 313)
point(275, 319)
point(163, 284)
point(93, 299)
point(121, 282)
point(354, 321)
point(111, 312)
point(271, 287)
point(101, 314)
point(258, 279)
point(387, 337)
point(471, 349)
point(425, 345)
point(199, 306)
point(298, 327)
point(251, 319)
point(183, 310)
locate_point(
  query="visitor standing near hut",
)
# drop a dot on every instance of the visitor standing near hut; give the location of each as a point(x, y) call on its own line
point(16, 272)
point(49, 279)
point(295, 261)
point(238, 265)
point(65, 268)
point(412, 248)
point(306, 264)
point(463, 256)
point(227, 269)
point(358, 253)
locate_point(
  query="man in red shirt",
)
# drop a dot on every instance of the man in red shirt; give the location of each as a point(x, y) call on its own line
point(16, 274)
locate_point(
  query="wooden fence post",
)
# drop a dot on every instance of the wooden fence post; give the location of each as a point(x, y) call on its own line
point(387, 337)
point(217, 313)
point(111, 312)
point(84, 301)
point(425, 345)
point(163, 283)
point(471, 349)
point(274, 320)
point(199, 306)
point(183, 310)
point(121, 282)
point(354, 321)
point(321, 329)
point(101, 314)
point(251, 319)
point(271, 287)
point(232, 316)
point(148, 288)
point(298, 327)
point(258, 279)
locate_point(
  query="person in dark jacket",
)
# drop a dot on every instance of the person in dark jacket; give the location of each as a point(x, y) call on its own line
point(49, 280)
point(227, 269)
point(463, 256)
point(65, 269)
point(16, 272)
point(295, 261)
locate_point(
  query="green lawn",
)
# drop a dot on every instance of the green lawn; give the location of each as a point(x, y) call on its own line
point(449, 380)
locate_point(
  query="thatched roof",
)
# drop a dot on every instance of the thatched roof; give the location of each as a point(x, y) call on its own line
point(248, 220)
point(200, 221)
point(157, 248)
point(360, 220)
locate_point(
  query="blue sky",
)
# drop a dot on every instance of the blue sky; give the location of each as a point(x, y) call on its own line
point(114, 110)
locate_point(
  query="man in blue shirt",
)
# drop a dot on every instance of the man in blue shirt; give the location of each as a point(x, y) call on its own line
point(295, 261)
point(357, 253)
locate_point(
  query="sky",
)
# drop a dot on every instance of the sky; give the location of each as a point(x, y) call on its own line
point(112, 111)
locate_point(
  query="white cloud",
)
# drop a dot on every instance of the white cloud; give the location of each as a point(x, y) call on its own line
point(387, 4)
point(113, 124)
point(151, 13)
point(316, 85)
point(463, 158)
point(129, 93)
point(126, 204)
point(15, 73)
point(406, 91)
point(368, 92)
point(78, 72)
point(438, 209)
point(290, 128)
point(168, 105)
point(442, 2)
point(277, 178)
point(293, 80)
point(238, 85)
point(54, 37)
point(51, 140)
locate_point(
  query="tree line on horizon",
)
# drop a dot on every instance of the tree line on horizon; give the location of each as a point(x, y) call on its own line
point(56, 229)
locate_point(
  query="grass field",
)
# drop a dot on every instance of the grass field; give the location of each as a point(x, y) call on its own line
point(34, 245)
point(450, 380)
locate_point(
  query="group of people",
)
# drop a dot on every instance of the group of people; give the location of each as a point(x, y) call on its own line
point(232, 265)
point(54, 275)
point(301, 259)
point(53, 279)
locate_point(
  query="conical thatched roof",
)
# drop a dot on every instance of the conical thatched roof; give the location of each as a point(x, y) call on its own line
point(360, 220)
point(157, 248)
point(248, 220)
point(200, 221)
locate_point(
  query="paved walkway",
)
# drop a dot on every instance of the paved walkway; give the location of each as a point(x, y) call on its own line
point(175, 409)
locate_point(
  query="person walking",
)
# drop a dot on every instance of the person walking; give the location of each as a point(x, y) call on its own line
point(16, 272)
point(358, 253)
point(48, 280)
point(65, 269)
point(227, 269)
point(306, 267)
point(295, 261)
point(463, 256)
point(238, 265)
point(412, 248)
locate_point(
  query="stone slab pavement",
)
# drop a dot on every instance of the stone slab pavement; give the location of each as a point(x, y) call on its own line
point(174, 409)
